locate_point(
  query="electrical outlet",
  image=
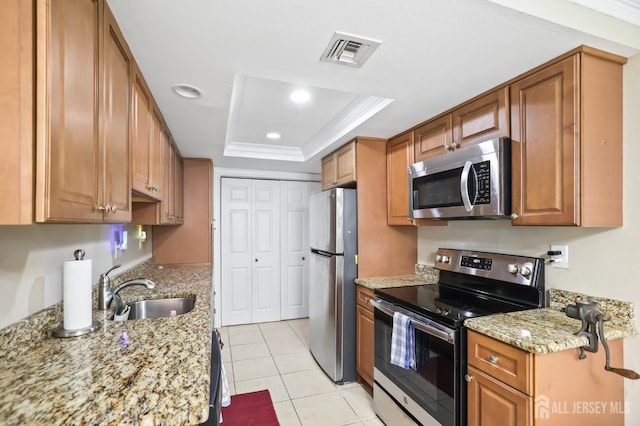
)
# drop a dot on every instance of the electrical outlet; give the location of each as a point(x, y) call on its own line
point(561, 260)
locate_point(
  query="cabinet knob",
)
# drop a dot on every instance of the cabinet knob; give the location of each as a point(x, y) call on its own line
point(449, 147)
point(114, 208)
point(102, 208)
point(303, 258)
point(455, 145)
point(255, 260)
point(514, 216)
point(468, 378)
point(493, 359)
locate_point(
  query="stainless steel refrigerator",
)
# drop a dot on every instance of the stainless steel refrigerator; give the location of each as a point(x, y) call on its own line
point(333, 240)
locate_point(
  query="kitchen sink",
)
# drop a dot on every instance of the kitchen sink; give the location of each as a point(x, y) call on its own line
point(158, 308)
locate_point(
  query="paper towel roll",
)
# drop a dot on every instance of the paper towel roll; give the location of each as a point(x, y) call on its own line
point(76, 294)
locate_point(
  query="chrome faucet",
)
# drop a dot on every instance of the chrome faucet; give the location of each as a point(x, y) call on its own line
point(106, 293)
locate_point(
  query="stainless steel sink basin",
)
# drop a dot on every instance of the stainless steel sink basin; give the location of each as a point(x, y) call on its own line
point(158, 308)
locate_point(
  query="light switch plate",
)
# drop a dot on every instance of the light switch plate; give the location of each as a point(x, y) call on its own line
point(562, 260)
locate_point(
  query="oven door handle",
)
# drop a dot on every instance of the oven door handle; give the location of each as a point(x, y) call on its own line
point(447, 336)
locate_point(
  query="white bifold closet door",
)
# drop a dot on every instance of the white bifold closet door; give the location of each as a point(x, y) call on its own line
point(250, 237)
point(265, 249)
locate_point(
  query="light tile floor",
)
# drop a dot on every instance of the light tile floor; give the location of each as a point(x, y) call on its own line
point(276, 356)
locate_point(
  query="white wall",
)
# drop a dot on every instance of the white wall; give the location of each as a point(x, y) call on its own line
point(31, 259)
point(602, 262)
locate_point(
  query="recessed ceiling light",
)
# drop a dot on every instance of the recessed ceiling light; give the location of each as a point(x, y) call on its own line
point(300, 96)
point(273, 135)
point(187, 91)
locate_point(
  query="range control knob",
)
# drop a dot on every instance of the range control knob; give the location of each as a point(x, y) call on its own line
point(438, 258)
point(445, 259)
point(526, 269)
point(513, 268)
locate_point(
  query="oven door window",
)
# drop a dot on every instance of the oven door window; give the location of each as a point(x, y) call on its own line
point(441, 189)
point(432, 385)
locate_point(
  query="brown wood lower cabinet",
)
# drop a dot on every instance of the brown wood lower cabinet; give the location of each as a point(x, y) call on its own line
point(364, 335)
point(511, 387)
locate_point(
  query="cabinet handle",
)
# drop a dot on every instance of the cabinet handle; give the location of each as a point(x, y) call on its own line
point(455, 145)
point(103, 208)
point(514, 216)
point(114, 208)
point(493, 359)
point(468, 378)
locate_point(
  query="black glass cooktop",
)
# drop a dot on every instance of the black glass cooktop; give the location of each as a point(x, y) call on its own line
point(446, 305)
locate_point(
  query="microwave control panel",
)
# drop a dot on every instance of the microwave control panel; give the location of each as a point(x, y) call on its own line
point(483, 172)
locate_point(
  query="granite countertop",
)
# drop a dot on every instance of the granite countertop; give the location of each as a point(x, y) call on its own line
point(424, 275)
point(550, 329)
point(160, 377)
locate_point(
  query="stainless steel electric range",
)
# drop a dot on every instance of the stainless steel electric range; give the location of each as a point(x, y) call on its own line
point(471, 284)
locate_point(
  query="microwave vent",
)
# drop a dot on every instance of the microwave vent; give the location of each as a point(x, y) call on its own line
point(349, 50)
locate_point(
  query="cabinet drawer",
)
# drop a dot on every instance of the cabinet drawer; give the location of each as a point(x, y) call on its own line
point(363, 294)
point(504, 362)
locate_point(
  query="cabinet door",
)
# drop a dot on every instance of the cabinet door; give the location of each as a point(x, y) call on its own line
point(345, 164)
point(142, 136)
point(328, 172)
point(364, 344)
point(491, 403)
point(68, 184)
point(483, 119)
point(433, 138)
point(399, 157)
point(545, 142)
point(115, 136)
point(168, 202)
point(158, 152)
point(16, 111)
point(178, 190)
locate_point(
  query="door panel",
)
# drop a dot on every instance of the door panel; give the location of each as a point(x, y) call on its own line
point(322, 312)
point(236, 257)
point(265, 211)
point(294, 212)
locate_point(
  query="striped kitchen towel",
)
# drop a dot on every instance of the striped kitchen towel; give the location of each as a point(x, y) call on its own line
point(403, 343)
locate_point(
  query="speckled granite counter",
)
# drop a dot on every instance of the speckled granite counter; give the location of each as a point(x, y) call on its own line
point(550, 329)
point(160, 377)
point(424, 275)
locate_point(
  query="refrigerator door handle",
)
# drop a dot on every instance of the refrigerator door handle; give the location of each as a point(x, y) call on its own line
point(321, 253)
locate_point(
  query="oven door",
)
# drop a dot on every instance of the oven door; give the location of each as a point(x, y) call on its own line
point(470, 182)
point(432, 394)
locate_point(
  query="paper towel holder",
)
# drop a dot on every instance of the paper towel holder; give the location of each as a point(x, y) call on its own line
point(60, 331)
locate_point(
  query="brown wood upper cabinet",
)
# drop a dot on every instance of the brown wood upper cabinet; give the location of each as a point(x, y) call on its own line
point(16, 111)
point(399, 157)
point(171, 206)
point(481, 119)
point(339, 167)
point(566, 129)
point(147, 143)
point(83, 170)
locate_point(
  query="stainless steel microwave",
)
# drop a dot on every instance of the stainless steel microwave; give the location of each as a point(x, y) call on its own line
point(473, 182)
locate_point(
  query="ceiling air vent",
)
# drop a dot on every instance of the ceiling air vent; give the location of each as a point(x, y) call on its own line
point(348, 49)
